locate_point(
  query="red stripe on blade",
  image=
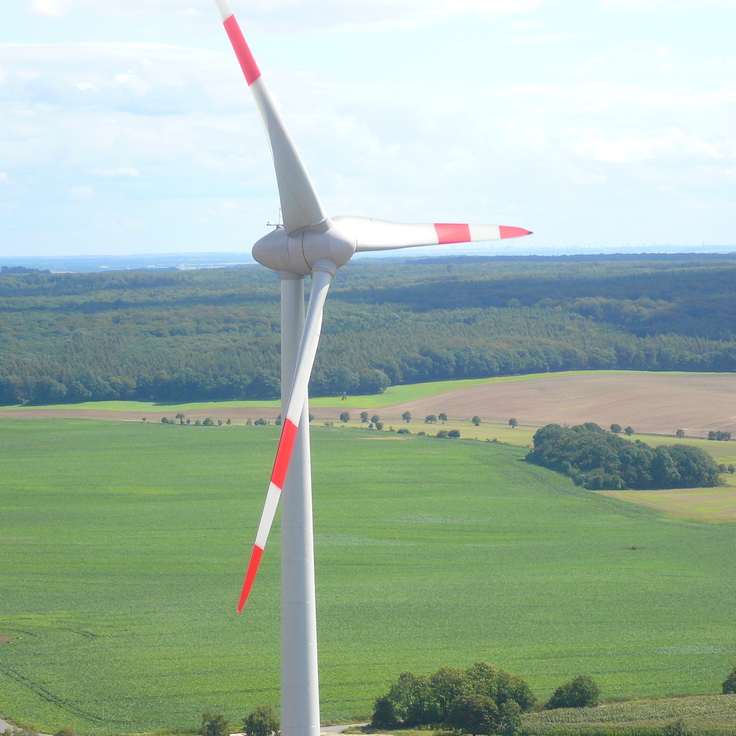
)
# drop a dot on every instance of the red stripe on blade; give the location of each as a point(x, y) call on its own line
point(448, 232)
point(247, 62)
point(250, 576)
point(513, 232)
point(283, 454)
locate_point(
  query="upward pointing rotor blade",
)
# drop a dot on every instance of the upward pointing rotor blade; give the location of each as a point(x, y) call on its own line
point(371, 234)
point(290, 422)
point(300, 205)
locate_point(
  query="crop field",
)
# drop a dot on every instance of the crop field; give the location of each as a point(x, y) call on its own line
point(123, 546)
point(713, 714)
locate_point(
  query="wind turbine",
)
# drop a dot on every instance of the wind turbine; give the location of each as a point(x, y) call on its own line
point(310, 242)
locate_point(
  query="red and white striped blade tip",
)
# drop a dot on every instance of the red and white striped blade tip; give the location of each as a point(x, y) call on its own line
point(289, 430)
point(255, 559)
point(513, 232)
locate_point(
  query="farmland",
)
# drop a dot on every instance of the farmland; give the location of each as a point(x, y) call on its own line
point(124, 544)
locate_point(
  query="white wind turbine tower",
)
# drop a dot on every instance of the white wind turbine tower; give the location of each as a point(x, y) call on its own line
point(310, 242)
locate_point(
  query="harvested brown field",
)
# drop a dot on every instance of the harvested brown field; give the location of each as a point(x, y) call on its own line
point(655, 403)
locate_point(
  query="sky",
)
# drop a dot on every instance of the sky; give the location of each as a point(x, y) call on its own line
point(126, 126)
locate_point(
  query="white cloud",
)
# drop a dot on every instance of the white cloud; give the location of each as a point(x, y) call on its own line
point(3, 177)
point(53, 8)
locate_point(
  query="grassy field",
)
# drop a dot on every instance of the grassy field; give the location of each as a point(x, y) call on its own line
point(124, 545)
point(392, 395)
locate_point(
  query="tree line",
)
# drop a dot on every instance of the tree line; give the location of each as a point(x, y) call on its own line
point(210, 335)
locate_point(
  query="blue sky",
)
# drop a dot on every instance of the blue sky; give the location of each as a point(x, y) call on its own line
point(126, 126)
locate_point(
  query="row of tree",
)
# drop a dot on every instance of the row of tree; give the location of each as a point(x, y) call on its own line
point(601, 460)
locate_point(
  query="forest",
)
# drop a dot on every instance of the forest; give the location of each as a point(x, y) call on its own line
point(603, 461)
point(170, 335)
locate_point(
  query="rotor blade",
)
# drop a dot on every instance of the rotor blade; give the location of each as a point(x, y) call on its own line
point(290, 423)
point(371, 234)
point(300, 205)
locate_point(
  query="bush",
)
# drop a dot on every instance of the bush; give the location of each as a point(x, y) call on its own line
point(580, 692)
point(443, 434)
point(214, 725)
point(476, 714)
point(454, 433)
point(262, 721)
point(729, 684)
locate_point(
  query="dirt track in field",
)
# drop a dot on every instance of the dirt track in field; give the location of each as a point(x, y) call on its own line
point(658, 403)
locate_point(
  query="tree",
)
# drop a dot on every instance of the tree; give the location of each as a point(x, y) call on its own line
point(375, 418)
point(454, 433)
point(406, 416)
point(729, 684)
point(629, 431)
point(179, 416)
point(513, 423)
point(443, 434)
point(447, 684)
point(442, 417)
point(430, 419)
point(214, 725)
point(616, 428)
point(262, 721)
point(345, 417)
point(580, 692)
point(384, 714)
point(476, 421)
point(680, 433)
point(411, 696)
point(379, 426)
point(364, 417)
point(510, 723)
point(475, 714)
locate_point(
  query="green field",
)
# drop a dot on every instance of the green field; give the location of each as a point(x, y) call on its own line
point(392, 395)
point(123, 547)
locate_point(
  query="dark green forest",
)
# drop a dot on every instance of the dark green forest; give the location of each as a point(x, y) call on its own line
point(601, 460)
point(214, 334)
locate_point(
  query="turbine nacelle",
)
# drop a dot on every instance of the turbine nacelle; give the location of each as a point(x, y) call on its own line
point(300, 254)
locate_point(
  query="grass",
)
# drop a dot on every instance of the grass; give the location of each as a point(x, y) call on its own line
point(123, 547)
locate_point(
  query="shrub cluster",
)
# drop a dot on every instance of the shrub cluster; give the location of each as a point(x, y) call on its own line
point(580, 692)
point(472, 700)
point(601, 460)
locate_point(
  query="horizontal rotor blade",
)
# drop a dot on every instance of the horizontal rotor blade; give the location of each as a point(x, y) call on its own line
point(290, 422)
point(300, 205)
point(371, 234)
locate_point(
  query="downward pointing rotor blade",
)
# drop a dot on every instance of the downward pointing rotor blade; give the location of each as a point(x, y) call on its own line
point(290, 422)
point(371, 234)
point(300, 205)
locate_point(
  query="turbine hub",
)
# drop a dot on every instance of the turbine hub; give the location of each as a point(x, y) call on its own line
point(298, 254)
